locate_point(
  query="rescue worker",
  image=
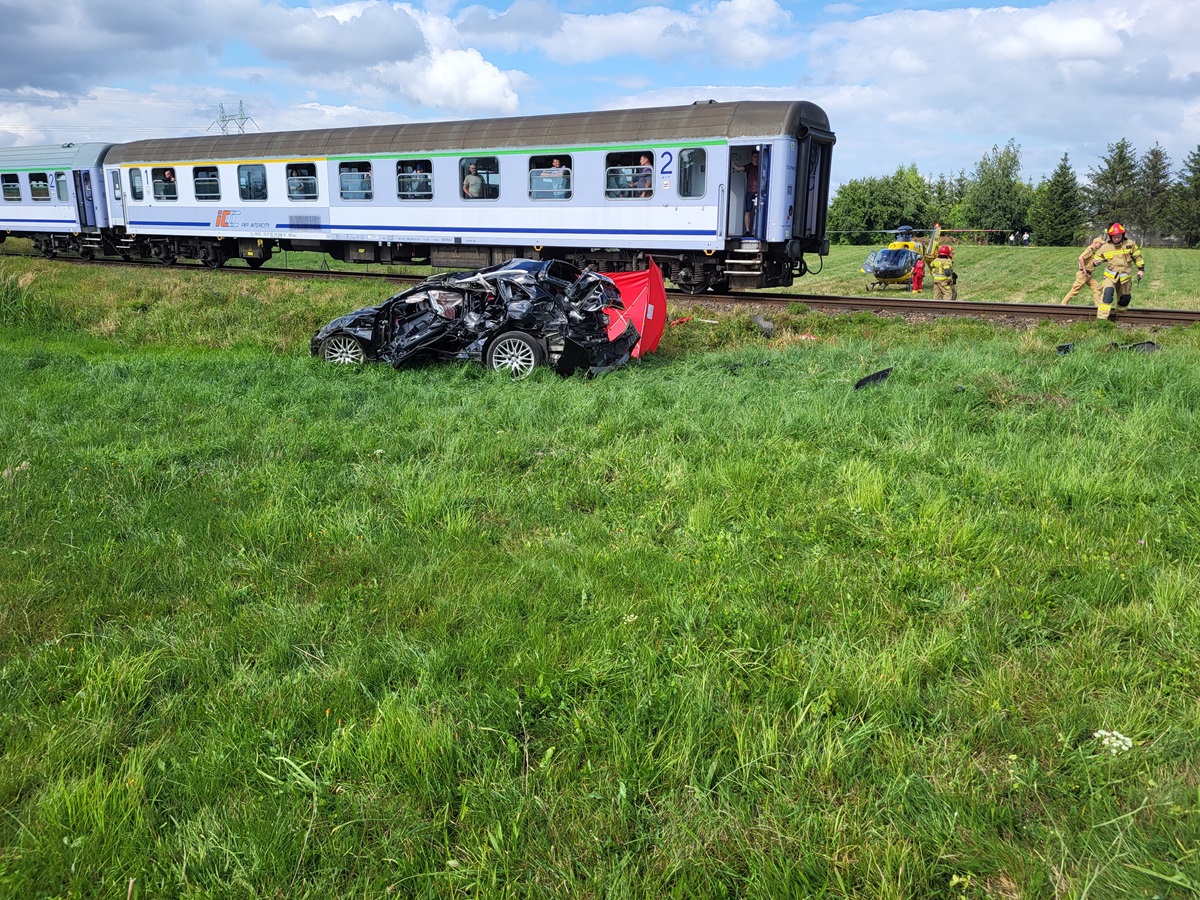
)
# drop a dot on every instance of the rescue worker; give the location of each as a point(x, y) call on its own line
point(1119, 256)
point(1087, 262)
point(945, 279)
point(918, 275)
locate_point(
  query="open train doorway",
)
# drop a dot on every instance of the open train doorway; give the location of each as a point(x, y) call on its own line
point(749, 171)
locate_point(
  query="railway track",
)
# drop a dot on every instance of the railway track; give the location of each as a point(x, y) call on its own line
point(979, 309)
point(879, 303)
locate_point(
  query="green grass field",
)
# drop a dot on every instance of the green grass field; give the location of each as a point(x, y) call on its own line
point(715, 625)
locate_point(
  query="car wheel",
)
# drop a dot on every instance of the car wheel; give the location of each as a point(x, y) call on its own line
point(515, 352)
point(343, 348)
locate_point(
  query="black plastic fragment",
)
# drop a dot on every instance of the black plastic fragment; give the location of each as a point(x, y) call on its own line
point(1139, 347)
point(1063, 349)
point(873, 378)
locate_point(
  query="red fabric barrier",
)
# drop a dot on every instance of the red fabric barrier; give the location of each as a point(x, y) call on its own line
point(645, 301)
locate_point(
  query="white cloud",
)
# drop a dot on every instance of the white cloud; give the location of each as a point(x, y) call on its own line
point(460, 82)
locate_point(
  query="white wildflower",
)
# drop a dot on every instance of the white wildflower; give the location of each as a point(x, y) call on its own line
point(629, 619)
point(1113, 741)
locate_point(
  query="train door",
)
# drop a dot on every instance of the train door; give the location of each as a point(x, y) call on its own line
point(747, 207)
point(760, 220)
point(85, 200)
point(116, 206)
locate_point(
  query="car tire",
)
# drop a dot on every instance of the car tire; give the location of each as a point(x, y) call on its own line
point(516, 353)
point(343, 349)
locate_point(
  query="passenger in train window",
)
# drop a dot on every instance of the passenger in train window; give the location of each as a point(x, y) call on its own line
point(559, 177)
point(423, 184)
point(472, 186)
point(643, 176)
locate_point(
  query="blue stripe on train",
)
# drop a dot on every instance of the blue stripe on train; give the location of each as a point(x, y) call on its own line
point(415, 229)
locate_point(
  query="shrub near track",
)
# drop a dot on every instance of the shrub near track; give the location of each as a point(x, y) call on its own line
point(714, 625)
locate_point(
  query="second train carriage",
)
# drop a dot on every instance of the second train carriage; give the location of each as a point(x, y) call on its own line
point(54, 196)
point(604, 189)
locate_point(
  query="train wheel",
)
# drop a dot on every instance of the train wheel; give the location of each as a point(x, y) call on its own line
point(343, 348)
point(214, 262)
point(516, 353)
point(694, 287)
point(255, 263)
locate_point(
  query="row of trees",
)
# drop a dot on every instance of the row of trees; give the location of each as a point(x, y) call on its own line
point(1137, 191)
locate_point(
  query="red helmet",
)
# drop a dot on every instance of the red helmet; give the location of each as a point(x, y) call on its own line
point(1117, 230)
point(945, 250)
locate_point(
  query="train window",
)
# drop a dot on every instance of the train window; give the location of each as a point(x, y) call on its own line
point(12, 187)
point(550, 177)
point(692, 166)
point(252, 182)
point(480, 177)
point(629, 175)
point(135, 184)
point(60, 183)
point(39, 186)
point(162, 182)
point(354, 179)
point(302, 181)
point(116, 180)
point(206, 182)
point(414, 179)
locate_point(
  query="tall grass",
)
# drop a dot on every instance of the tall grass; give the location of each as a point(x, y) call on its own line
point(715, 625)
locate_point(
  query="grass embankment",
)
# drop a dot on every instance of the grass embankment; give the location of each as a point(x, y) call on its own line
point(1022, 275)
point(715, 625)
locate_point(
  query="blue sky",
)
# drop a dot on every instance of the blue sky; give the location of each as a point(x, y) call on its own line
point(936, 84)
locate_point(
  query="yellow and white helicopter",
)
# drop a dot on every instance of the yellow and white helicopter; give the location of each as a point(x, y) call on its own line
point(892, 266)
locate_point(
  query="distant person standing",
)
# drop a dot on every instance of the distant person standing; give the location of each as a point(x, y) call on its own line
point(918, 274)
point(1119, 255)
point(1087, 262)
point(945, 279)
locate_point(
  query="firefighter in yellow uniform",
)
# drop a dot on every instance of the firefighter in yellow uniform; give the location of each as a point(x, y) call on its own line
point(945, 279)
point(1087, 262)
point(1119, 255)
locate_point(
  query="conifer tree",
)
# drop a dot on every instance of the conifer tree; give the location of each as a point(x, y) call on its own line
point(1057, 213)
point(1112, 194)
point(1183, 211)
point(1153, 193)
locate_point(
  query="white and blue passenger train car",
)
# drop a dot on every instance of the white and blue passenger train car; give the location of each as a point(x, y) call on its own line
point(54, 195)
point(606, 189)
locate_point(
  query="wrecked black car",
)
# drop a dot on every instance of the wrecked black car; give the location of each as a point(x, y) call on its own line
point(511, 317)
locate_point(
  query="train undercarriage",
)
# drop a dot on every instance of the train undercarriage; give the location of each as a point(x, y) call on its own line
point(744, 264)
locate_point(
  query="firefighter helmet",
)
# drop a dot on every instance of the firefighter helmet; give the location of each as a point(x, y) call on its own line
point(1116, 230)
point(945, 250)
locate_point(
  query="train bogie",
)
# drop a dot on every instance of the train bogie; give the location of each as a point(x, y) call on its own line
point(606, 189)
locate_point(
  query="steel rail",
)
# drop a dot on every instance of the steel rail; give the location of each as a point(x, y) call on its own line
point(1131, 315)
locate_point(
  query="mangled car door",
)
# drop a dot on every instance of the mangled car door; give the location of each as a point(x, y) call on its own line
point(427, 320)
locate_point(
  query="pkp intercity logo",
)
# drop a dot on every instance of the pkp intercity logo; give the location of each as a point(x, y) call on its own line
point(232, 218)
